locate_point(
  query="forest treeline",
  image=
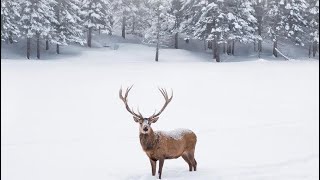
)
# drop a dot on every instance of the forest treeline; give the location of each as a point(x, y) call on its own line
point(221, 23)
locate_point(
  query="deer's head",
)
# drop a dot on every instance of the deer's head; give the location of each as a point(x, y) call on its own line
point(144, 122)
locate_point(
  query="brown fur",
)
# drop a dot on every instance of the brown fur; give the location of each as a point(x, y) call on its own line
point(159, 146)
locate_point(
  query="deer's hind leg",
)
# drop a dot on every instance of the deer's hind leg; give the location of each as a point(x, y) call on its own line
point(185, 157)
point(192, 160)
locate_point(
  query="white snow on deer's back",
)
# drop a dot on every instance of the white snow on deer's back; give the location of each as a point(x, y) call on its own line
point(175, 134)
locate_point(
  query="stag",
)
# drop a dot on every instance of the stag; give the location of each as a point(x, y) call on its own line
point(161, 145)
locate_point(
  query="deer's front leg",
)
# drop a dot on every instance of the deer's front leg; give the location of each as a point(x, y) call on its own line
point(161, 161)
point(153, 166)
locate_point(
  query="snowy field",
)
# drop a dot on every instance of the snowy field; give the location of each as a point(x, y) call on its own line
point(62, 119)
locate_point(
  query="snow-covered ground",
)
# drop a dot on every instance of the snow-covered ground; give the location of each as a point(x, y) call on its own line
point(62, 119)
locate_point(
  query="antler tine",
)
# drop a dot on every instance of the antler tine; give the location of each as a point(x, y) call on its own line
point(139, 112)
point(167, 101)
point(125, 101)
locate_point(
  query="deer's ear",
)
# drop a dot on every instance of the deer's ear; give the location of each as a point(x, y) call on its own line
point(155, 119)
point(136, 119)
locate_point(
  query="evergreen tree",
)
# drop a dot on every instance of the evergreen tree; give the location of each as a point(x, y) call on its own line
point(211, 25)
point(261, 10)
point(162, 26)
point(95, 14)
point(275, 22)
point(176, 11)
point(68, 27)
point(9, 20)
point(242, 23)
point(36, 19)
point(313, 27)
point(295, 20)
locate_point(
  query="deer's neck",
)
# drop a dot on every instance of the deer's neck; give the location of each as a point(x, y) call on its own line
point(148, 141)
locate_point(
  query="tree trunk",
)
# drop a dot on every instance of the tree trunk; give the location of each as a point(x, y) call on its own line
point(133, 24)
point(58, 50)
point(28, 47)
point(210, 45)
point(176, 40)
point(89, 37)
point(228, 47)
point(38, 45)
point(254, 46)
point(157, 48)
point(47, 44)
point(232, 51)
point(157, 52)
point(224, 47)
point(275, 44)
point(10, 37)
point(124, 26)
point(205, 45)
point(310, 46)
point(260, 46)
point(215, 49)
point(314, 48)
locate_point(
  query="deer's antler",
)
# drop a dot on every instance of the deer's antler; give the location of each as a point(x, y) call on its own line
point(167, 101)
point(125, 100)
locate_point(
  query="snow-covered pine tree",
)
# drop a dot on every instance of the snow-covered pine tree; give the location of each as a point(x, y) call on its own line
point(68, 28)
point(36, 19)
point(275, 22)
point(211, 25)
point(241, 21)
point(313, 26)
point(295, 20)
point(233, 26)
point(134, 17)
point(9, 20)
point(261, 9)
point(124, 9)
point(192, 12)
point(95, 14)
point(162, 26)
point(140, 17)
point(177, 11)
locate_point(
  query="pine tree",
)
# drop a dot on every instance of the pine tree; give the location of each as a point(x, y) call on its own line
point(9, 20)
point(177, 12)
point(313, 26)
point(138, 17)
point(162, 26)
point(241, 21)
point(275, 22)
point(211, 25)
point(261, 10)
point(68, 27)
point(95, 14)
point(36, 19)
point(192, 11)
point(124, 10)
point(295, 20)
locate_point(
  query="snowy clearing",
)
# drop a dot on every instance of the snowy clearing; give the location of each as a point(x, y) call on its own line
point(62, 119)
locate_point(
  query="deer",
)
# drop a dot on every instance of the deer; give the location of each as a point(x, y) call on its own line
point(161, 145)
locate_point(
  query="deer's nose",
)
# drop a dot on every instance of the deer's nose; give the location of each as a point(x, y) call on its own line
point(145, 129)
